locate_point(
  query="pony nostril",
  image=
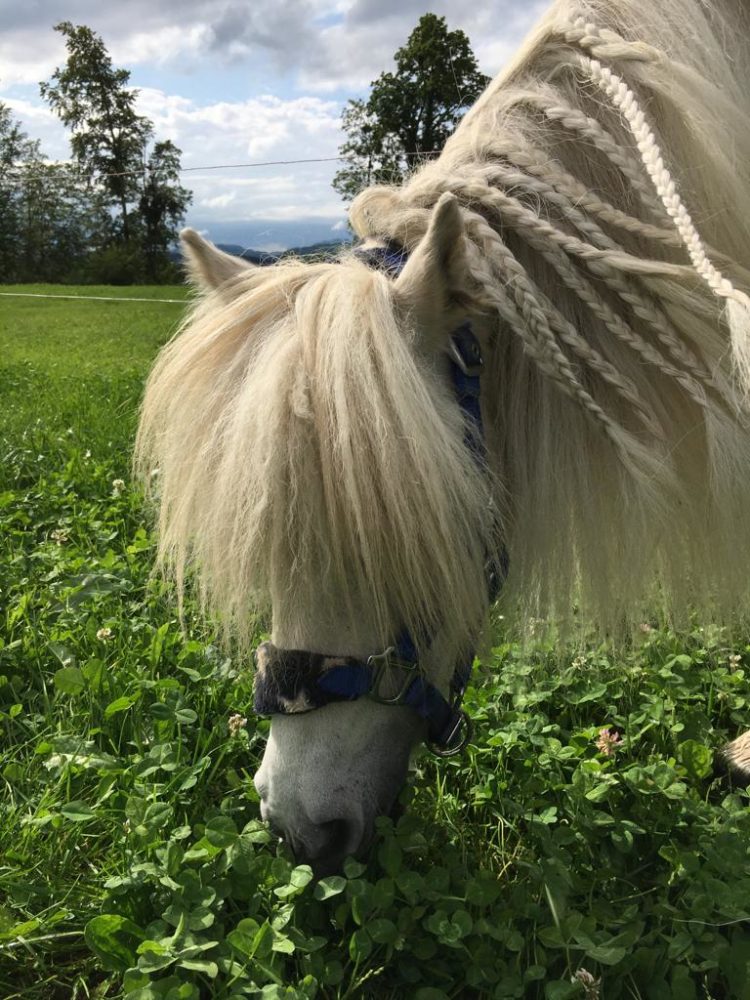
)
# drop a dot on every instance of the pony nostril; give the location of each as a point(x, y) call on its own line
point(328, 843)
point(336, 836)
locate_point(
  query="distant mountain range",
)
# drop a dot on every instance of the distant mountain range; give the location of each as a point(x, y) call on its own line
point(264, 257)
point(269, 236)
point(328, 248)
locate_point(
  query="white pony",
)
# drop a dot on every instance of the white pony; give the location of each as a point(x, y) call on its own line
point(591, 218)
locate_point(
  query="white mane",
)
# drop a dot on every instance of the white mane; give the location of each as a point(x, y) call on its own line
point(306, 440)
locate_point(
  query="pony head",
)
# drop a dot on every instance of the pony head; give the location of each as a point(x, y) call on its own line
point(314, 471)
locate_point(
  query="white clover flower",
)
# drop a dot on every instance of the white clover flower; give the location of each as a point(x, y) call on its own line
point(591, 986)
point(59, 535)
point(104, 633)
point(118, 485)
point(236, 724)
point(608, 741)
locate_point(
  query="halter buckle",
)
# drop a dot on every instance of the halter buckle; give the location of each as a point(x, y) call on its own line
point(380, 662)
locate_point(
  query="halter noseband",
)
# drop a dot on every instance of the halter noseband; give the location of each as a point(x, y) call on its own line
point(290, 682)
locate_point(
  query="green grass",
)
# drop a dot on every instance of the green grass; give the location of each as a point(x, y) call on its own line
point(65, 337)
point(132, 859)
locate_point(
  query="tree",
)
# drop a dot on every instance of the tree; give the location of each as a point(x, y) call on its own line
point(91, 97)
point(14, 146)
point(62, 221)
point(162, 205)
point(110, 143)
point(410, 113)
point(374, 156)
point(49, 221)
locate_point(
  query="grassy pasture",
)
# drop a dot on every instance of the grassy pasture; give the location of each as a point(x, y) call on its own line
point(547, 862)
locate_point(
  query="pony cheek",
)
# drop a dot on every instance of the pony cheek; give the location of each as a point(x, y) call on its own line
point(326, 776)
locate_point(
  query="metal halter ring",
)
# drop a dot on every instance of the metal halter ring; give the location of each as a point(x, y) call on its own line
point(462, 732)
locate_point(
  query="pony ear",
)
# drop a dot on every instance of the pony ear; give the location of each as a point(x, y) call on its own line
point(433, 284)
point(208, 266)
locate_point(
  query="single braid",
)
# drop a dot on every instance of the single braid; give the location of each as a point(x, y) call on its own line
point(623, 98)
point(603, 43)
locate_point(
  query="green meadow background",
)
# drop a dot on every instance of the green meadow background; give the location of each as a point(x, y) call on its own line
point(548, 861)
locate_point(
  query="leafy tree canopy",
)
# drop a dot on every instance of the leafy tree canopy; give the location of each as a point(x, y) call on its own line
point(162, 203)
point(49, 222)
point(411, 112)
point(110, 143)
point(92, 98)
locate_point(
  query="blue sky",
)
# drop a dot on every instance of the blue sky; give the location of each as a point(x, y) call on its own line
point(231, 81)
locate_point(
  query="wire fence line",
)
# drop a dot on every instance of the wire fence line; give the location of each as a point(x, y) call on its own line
point(93, 298)
point(235, 166)
point(219, 166)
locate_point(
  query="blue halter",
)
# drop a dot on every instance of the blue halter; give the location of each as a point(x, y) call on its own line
point(289, 682)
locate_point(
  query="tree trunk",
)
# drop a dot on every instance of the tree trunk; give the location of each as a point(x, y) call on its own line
point(124, 208)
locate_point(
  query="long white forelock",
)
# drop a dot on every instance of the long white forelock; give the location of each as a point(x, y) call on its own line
point(288, 465)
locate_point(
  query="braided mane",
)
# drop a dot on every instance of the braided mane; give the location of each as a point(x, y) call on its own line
point(620, 343)
point(306, 442)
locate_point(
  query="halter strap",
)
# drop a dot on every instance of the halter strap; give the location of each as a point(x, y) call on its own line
point(291, 682)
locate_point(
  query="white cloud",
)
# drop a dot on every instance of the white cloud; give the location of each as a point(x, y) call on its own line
point(171, 43)
point(352, 52)
point(274, 78)
point(242, 132)
point(208, 32)
point(220, 201)
point(325, 45)
point(40, 123)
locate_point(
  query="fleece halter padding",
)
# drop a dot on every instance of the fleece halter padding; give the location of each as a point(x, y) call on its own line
point(290, 682)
